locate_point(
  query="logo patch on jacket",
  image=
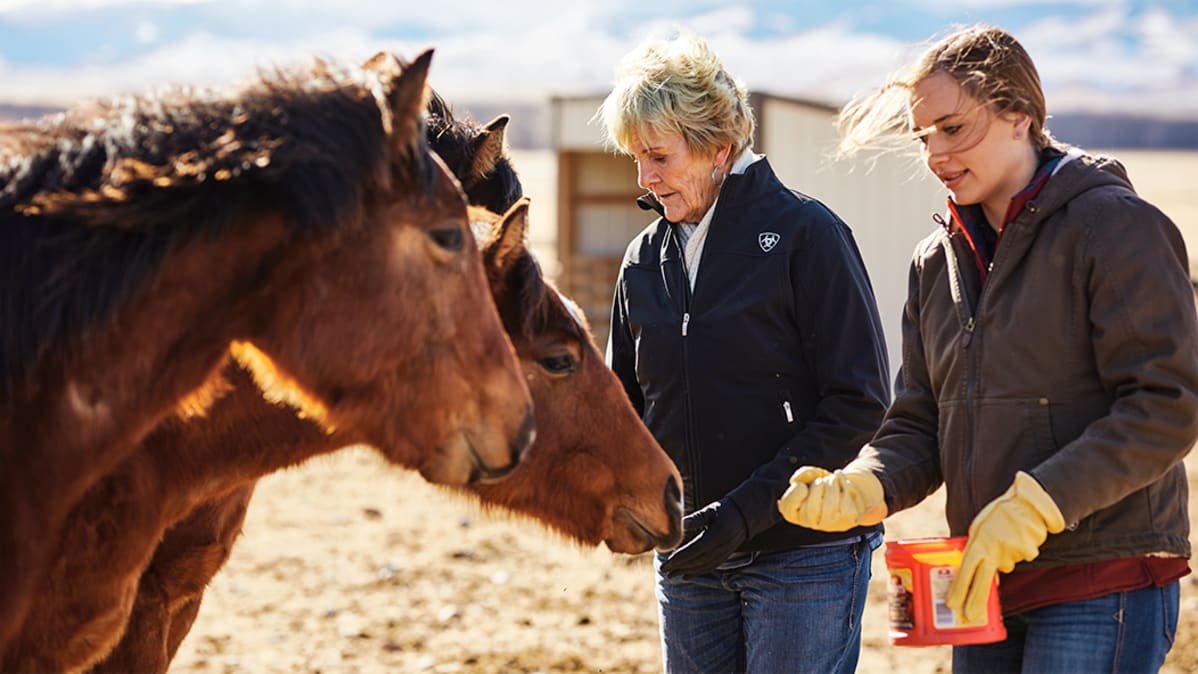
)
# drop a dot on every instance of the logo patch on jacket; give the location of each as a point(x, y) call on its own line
point(767, 240)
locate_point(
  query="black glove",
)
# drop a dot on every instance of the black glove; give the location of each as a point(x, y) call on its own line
point(718, 530)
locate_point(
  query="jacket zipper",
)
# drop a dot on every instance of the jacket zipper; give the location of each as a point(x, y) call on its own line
point(966, 315)
point(967, 335)
point(692, 451)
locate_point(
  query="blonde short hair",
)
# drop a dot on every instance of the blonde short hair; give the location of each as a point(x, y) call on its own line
point(677, 86)
point(987, 62)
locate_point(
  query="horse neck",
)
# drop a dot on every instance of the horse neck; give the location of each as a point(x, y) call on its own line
point(112, 531)
point(92, 407)
point(242, 438)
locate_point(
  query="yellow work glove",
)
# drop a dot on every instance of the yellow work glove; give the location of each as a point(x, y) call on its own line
point(833, 501)
point(1010, 529)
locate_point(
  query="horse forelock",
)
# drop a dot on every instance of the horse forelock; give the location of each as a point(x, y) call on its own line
point(541, 305)
point(536, 297)
point(95, 199)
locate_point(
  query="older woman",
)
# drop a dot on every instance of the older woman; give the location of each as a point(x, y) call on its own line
point(745, 330)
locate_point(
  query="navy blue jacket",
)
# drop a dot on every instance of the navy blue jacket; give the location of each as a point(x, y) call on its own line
point(776, 359)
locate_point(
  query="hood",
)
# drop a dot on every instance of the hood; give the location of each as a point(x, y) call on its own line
point(1077, 173)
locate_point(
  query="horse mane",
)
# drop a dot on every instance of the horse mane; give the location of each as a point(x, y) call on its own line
point(454, 138)
point(92, 201)
point(534, 293)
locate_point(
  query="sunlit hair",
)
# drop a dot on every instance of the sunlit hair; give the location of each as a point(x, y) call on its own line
point(677, 86)
point(989, 64)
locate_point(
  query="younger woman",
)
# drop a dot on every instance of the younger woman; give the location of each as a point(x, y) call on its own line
point(1049, 375)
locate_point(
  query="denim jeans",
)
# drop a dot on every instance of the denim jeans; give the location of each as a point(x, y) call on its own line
point(790, 611)
point(1123, 633)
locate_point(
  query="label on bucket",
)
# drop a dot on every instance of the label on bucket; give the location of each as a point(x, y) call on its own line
point(939, 580)
point(900, 600)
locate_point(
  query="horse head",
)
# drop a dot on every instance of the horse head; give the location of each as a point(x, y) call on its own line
point(396, 315)
point(475, 154)
point(611, 481)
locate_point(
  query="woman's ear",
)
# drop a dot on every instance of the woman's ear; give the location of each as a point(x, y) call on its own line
point(721, 157)
point(1021, 122)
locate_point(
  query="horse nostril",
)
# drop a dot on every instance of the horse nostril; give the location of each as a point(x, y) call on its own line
point(525, 437)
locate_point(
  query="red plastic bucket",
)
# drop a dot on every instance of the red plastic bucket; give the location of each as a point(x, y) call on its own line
point(921, 571)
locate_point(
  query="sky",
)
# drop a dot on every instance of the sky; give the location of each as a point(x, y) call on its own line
point(1135, 56)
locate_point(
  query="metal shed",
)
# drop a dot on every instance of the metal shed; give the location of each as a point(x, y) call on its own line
point(888, 203)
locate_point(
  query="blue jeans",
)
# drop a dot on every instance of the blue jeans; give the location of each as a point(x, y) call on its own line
point(791, 611)
point(1123, 632)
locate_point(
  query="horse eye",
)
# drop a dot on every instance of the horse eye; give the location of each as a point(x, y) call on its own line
point(563, 364)
point(449, 239)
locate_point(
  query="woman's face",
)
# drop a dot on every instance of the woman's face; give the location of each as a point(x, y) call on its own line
point(981, 157)
point(681, 180)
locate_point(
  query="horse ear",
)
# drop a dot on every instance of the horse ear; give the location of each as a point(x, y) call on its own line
point(407, 93)
point(378, 62)
point(487, 148)
point(509, 237)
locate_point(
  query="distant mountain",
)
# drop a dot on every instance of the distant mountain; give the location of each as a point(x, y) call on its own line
point(15, 113)
point(1110, 131)
point(530, 126)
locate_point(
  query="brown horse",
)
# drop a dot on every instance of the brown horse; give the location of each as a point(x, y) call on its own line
point(302, 218)
point(475, 154)
point(610, 481)
point(618, 473)
point(194, 549)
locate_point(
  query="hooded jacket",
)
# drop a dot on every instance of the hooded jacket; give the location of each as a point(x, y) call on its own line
point(774, 361)
point(1076, 361)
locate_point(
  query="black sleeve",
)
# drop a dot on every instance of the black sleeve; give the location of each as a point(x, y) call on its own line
point(843, 339)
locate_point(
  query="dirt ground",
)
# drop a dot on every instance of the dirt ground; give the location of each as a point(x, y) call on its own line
point(348, 565)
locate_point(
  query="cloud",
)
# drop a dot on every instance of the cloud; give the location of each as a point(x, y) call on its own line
point(1105, 54)
point(146, 32)
point(1112, 61)
point(976, 5)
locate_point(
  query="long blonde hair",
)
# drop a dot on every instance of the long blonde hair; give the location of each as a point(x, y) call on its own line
point(677, 86)
point(989, 64)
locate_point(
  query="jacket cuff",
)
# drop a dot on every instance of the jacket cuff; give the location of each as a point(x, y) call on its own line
point(758, 509)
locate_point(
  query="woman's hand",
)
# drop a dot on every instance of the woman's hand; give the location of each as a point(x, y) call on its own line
point(833, 501)
point(1010, 529)
point(718, 529)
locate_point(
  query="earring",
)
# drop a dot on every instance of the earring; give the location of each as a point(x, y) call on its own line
point(715, 174)
point(1019, 134)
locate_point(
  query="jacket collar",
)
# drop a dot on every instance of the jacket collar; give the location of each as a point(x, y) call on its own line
point(757, 176)
point(971, 222)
